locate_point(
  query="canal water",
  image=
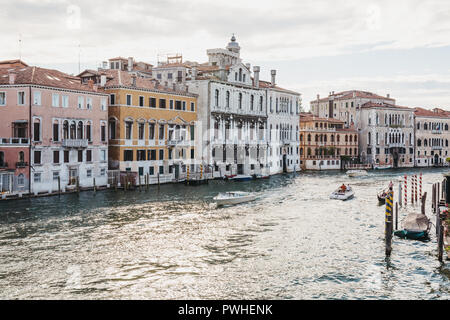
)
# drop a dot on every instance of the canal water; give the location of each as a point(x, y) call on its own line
point(172, 243)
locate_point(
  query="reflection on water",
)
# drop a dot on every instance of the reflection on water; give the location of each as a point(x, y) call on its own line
point(172, 243)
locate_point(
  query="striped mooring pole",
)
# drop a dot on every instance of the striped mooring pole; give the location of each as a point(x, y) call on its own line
point(388, 222)
point(201, 171)
point(420, 186)
point(415, 188)
point(406, 190)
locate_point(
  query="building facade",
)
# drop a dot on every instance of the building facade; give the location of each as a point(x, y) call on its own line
point(55, 132)
point(432, 137)
point(386, 135)
point(345, 105)
point(236, 119)
point(152, 128)
point(325, 143)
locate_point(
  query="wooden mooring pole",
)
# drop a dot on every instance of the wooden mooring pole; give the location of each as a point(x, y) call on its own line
point(95, 187)
point(441, 243)
point(78, 185)
point(396, 216)
point(59, 185)
point(388, 222)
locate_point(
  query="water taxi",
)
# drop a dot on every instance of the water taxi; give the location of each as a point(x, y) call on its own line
point(234, 197)
point(341, 194)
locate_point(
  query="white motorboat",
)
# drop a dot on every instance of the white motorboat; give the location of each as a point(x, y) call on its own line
point(382, 167)
point(235, 197)
point(340, 194)
point(356, 173)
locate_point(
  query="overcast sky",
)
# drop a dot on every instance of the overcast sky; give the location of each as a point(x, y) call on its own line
point(400, 47)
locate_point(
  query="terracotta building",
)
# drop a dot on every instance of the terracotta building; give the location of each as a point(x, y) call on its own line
point(53, 128)
point(325, 143)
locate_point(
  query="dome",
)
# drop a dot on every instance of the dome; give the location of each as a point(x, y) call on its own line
point(233, 45)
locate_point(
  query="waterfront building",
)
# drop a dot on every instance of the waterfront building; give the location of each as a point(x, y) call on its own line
point(325, 143)
point(386, 134)
point(236, 115)
point(54, 130)
point(152, 128)
point(346, 105)
point(432, 137)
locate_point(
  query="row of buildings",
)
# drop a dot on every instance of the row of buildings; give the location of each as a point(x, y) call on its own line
point(164, 123)
point(186, 120)
point(385, 134)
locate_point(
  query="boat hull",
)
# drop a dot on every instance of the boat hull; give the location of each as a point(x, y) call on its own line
point(228, 202)
point(381, 200)
point(343, 197)
point(413, 235)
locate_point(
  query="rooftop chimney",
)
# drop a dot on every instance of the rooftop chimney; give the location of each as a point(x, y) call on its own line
point(133, 80)
point(388, 95)
point(256, 70)
point(274, 74)
point(130, 64)
point(103, 80)
point(194, 72)
point(318, 96)
point(12, 76)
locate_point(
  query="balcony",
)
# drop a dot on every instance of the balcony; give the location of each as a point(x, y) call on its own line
point(14, 141)
point(75, 143)
point(436, 148)
point(21, 164)
point(436, 131)
point(397, 145)
point(4, 165)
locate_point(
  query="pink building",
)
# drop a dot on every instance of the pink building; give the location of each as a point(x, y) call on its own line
point(53, 128)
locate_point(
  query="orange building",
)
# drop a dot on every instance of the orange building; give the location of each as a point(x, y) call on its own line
point(325, 143)
point(152, 128)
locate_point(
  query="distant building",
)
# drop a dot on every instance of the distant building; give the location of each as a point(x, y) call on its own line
point(386, 135)
point(432, 137)
point(345, 105)
point(53, 127)
point(325, 143)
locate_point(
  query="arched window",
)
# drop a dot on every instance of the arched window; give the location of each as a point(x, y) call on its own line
point(80, 130)
point(112, 129)
point(309, 151)
point(425, 143)
point(21, 180)
point(317, 138)
point(2, 159)
point(419, 142)
point(227, 101)
point(240, 100)
point(260, 103)
point(216, 97)
point(301, 137)
point(66, 130)
point(73, 130)
point(252, 100)
point(446, 127)
point(240, 74)
point(21, 157)
point(425, 126)
point(309, 138)
point(356, 138)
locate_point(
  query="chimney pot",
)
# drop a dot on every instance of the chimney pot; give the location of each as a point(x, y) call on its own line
point(274, 74)
point(103, 80)
point(130, 64)
point(256, 70)
point(12, 77)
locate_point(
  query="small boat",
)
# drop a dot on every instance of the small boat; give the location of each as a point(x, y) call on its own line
point(241, 177)
point(382, 167)
point(382, 197)
point(260, 176)
point(234, 197)
point(356, 173)
point(229, 176)
point(415, 227)
point(340, 194)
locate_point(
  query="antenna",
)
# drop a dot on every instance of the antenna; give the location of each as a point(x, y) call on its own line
point(79, 58)
point(20, 46)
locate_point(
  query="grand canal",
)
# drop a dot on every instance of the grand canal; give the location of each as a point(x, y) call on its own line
point(172, 243)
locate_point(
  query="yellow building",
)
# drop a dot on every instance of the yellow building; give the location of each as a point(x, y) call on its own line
point(152, 128)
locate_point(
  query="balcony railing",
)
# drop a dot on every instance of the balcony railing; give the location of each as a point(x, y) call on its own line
point(75, 143)
point(397, 145)
point(436, 147)
point(21, 164)
point(436, 131)
point(3, 165)
point(13, 141)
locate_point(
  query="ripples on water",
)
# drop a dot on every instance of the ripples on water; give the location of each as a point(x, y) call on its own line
point(292, 243)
